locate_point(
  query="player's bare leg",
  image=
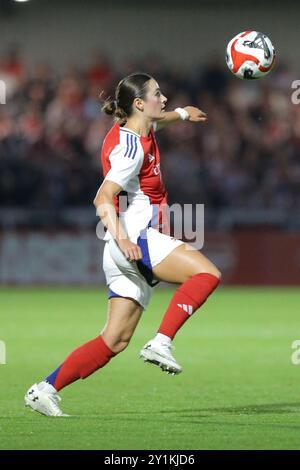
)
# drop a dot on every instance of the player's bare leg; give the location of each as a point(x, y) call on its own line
point(198, 278)
point(122, 318)
point(183, 263)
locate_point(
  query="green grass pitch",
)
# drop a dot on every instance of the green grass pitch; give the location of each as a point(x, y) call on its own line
point(238, 389)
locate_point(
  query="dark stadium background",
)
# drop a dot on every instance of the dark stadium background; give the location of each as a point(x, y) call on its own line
point(56, 57)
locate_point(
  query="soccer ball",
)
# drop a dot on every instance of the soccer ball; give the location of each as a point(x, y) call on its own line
point(250, 55)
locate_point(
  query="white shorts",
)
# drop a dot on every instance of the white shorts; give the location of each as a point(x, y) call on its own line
point(136, 279)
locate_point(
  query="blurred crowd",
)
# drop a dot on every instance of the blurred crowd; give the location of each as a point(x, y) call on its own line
point(51, 130)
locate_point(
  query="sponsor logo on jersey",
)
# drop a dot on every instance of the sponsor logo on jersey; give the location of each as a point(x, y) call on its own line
point(156, 169)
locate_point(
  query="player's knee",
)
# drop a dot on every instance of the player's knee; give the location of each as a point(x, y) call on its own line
point(217, 273)
point(211, 270)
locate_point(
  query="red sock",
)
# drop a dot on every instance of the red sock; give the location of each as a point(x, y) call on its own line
point(187, 298)
point(81, 363)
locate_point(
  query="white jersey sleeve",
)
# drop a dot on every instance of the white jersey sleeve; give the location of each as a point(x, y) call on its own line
point(126, 162)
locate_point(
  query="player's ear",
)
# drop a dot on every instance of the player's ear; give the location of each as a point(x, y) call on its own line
point(139, 104)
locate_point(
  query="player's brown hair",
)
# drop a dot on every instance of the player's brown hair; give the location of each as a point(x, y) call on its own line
point(131, 87)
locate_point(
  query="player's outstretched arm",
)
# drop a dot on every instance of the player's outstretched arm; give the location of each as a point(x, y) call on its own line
point(188, 113)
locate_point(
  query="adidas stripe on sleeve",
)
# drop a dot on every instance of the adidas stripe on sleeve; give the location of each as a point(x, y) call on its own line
point(126, 160)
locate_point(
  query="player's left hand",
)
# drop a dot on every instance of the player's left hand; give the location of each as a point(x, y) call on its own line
point(196, 115)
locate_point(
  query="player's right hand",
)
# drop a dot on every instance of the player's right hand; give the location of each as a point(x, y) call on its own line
point(131, 251)
point(195, 114)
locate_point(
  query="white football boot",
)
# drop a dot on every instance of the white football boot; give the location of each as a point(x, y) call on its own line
point(159, 353)
point(43, 402)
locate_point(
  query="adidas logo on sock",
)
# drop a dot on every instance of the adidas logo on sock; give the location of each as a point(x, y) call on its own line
point(187, 308)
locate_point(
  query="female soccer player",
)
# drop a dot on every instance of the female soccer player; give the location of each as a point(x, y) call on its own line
point(137, 254)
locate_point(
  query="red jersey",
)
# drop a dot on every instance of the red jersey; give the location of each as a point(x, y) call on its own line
point(133, 162)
